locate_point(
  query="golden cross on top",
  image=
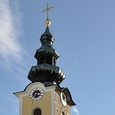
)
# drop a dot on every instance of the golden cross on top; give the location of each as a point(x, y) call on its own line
point(47, 10)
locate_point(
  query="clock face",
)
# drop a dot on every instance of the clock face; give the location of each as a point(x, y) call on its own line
point(36, 93)
point(63, 99)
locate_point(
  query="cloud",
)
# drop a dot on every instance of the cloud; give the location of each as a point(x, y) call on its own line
point(10, 47)
point(75, 110)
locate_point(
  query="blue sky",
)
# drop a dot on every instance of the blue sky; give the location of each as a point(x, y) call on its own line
point(84, 32)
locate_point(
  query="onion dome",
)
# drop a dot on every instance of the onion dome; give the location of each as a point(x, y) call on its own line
point(46, 70)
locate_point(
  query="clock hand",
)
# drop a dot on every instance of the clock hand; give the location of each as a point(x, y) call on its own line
point(36, 94)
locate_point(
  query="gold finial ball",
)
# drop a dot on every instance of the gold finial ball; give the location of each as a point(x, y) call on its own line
point(48, 22)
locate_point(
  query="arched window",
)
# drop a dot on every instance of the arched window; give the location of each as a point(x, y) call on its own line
point(42, 60)
point(62, 113)
point(37, 111)
point(49, 60)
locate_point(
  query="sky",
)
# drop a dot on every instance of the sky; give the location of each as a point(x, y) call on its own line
point(84, 32)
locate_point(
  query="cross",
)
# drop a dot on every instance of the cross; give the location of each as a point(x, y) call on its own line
point(47, 10)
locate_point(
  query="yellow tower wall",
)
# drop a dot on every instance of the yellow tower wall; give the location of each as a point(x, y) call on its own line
point(28, 105)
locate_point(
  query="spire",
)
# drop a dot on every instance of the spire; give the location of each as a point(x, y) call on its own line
point(47, 32)
point(46, 70)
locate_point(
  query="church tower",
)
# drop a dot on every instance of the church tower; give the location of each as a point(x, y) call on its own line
point(44, 95)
